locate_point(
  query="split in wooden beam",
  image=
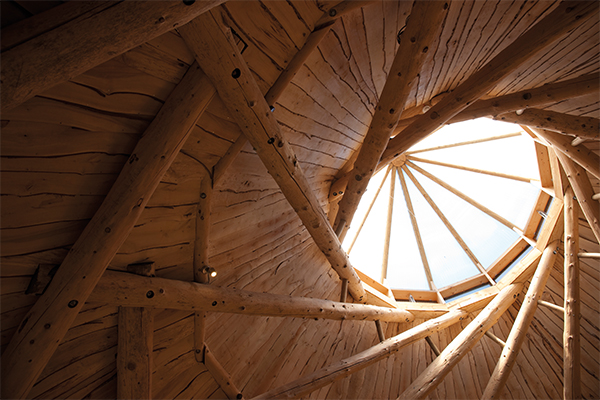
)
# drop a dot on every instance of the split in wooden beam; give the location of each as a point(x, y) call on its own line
point(219, 57)
point(518, 332)
point(410, 56)
point(553, 26)
point(572, 302)
point(134, 356)
point(357, 362)
point(125, 289)
point(584, 127)
point(462, 344)
point(47, 322)
point(87, 40)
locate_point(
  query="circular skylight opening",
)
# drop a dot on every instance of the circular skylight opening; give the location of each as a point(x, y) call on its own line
point(443, 213)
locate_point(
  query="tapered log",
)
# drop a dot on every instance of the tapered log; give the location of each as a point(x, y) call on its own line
point(388, 225)
point(584, 127)
point(130, 290)
point(410, 56)
point(580, 154)
point(357, 362)
point(518, 332)
point(47, 322)
point(556, 24)
point(440, 367)
point(572, 302)
point(583, 191)
point(219, 57)
point(134, 357)
point(81, 43)
point(220, 375)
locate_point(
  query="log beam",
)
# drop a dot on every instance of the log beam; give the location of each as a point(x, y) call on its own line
point(572, 302)
point(220, 375)
point(568, 15)
point(518, 332)
point(583, 127)
point(49, 319)
point(125, 289)
point(440, 367)
point(405, 69)
point(219, 57)
point(357, 362)
point(134, 356)
point(93, 37)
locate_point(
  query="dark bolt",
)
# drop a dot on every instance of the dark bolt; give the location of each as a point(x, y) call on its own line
point(202, 195)
point(358, 178)
point(335, 193)
point(434, 115)
point(341, 192)
point(73, 303)
point(392, 110)
point(189, 2)
point(150, 294)
point(271, 140)
point(239, 396)
point(161, 20)
point(425, 49)
point(197, 351)
point(47, 326)
point(161, 290)
point(236, 73)
point(413, 39)
point(527, 96)
point(445, 6)
point(214, 303)
point(332, 12)
point(107, 230)
point(280, 144)
point(31, 341)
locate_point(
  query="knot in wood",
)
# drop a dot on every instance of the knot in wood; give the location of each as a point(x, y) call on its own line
point(131, 366)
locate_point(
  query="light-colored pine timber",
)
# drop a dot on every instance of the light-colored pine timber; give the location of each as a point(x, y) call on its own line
point(588, 255)
point(580, 154)
point(134, 358)
point(518, 332)
point(584, 127)
point(47, 322)
point(465, 143)
point(551, 305)
point(221, 376)
point(495, 338)
point(552, 27)
point(348, 366)
point(409, 59)
point(81, 43)
point(130, 290)
point(219, 57)
point(572, 302)
point(388, 225)
point(462, 344)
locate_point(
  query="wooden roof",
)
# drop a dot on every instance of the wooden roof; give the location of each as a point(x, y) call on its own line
point(167, 139)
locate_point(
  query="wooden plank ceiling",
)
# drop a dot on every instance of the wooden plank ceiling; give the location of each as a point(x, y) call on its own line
point(63, 149)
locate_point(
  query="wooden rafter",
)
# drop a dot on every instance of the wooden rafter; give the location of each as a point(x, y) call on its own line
point(219, 57)
point(47, 322)
point(133, 291)
point(466, 198)
point(449, 226)
point(518, 331)
point(405, 69)
point(220, 375)
point(87, 40)
point(553, 26)
point(466, 143)
point(388, 225)
point(357, 362)
point(584, 127)
point(462, 344)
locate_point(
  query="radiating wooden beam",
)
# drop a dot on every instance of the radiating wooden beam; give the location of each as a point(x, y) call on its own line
point(584, 127)
point(219, 57)
point(47, 322)
point(449, 226)
point(422, 28)
point(220, 375)
point(580, 154)
point(462, 344)
point(134, 355)
point(343, 368)
point(583, 191)
point(551, 306)
point(125, 289)
point(495, 338)
point(518, 332)
point(572, 302)
point(553, 26)
point(88, 40)
point(466, 143)
point(388, 225)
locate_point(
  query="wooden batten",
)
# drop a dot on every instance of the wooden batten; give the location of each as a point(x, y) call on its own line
point(89, 39)
point(404, 72)
point(219, 57)
point(572, 303)
point(554, 26)
point(518, 332)
point(462, 344)
point(134, 357)
point(48, 321)
point(135, 291)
